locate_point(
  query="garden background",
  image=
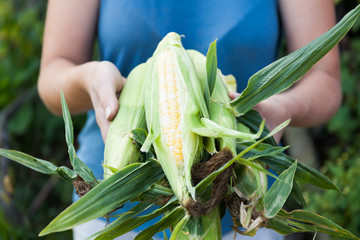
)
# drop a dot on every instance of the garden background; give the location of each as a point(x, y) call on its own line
point(29, 200)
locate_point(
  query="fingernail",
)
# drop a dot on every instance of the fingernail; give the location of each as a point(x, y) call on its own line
point(107, 112)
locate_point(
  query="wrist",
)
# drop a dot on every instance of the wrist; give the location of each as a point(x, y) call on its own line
point(83, 75)
point(295, 107)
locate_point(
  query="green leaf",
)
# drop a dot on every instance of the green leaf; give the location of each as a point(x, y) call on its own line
point(208, 128)
point(120, 227)
point(139, 208)
point(204, 227)
point(177, 232)
point(139, 136)
point(281, 161)
point(211, 66)
point(296, 199)
point(112, 169)
point(79, 167)
point(277, 195)
point(66, 173)
point(111, 193)
point(319, 223)
point(201, 186)
point(252, 120)
point(38, 165)
point(271, 151)
point(249, 181)
point(29, 161)
point(284, 72)
point(285, 227)
point(157, 191)
point(167, 221)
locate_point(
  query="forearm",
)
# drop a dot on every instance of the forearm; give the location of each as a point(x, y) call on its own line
point(317, 96)
point(314, 100)
point(62, 74)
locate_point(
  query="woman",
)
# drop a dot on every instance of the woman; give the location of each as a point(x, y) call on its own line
point(248, 33)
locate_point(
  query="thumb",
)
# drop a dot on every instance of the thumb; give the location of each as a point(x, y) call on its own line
point(110, 106)
point(233, 95)
point(109, 99)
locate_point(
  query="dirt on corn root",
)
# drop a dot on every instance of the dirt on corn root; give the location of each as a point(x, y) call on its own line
point(220, 185)
point(81, 187)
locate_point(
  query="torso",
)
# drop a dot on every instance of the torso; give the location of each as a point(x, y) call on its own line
point(247, 33)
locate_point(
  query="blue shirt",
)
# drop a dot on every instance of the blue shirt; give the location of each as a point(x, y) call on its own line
point(247, 33)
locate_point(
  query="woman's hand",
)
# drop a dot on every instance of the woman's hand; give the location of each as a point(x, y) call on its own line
point(315, 98)
point(104, 85)
point(274, 113)
point(66, 64)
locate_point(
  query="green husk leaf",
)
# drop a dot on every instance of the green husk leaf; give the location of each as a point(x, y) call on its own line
point(277, 195)
point(271, 151)
point(281, 161)
point(120, 227)
point(66, 173)
point(252, 120)
point(80, 168)
point(156, 193)
point(157, 189)
point(296, 199)
point(208, 128)
point(139, 208)
point(112, 169)
point(204, 227)
point(211, 66)
point(317, 222)
point(284, 72)
point(120, 148)
point(284, 227)
point(201, 186)
point(177, 232)
point(111, 193)
point(139, 136)
point(168, 220)
point(38, 165)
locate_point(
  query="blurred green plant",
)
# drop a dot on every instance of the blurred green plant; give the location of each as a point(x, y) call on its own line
point(20, 37)
point(338, 143)
point(345, 125)
point(26, 125)
point(343, 209)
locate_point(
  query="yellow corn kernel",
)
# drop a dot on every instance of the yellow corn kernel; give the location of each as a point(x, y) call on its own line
point(169, 107)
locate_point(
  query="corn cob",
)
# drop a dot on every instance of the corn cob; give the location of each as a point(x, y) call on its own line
point(171, 97)
point(119, 147)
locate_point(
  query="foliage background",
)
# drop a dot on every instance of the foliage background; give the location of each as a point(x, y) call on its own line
point(338, 142)
point(29, 200)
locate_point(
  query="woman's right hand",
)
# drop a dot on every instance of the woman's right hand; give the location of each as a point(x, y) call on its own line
point(66, 64)
point(103, 85)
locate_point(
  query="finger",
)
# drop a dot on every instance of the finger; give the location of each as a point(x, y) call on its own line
point(101, 120)
point(108, 97)
point(119, 91)
point(233, 95)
